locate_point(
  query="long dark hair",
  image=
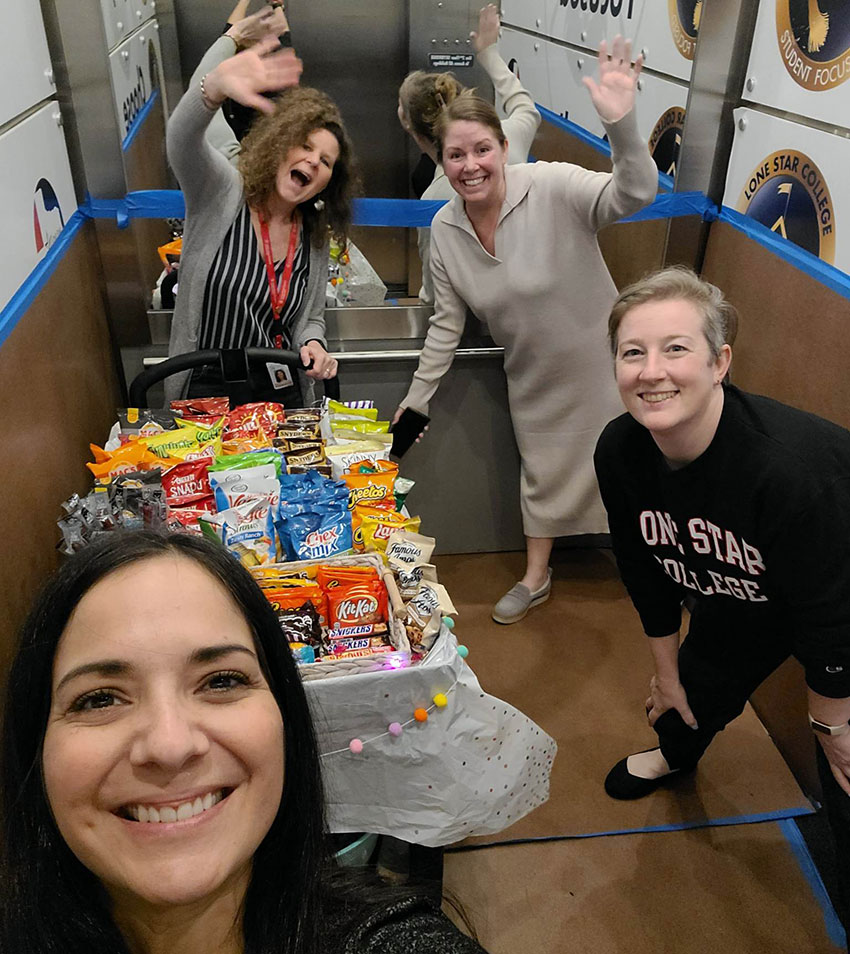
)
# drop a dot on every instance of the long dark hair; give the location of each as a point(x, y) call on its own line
point(51, 903)
point(300, 111)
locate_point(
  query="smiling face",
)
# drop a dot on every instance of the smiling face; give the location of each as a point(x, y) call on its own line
point(474, 161)
point(667, 377)
point(164, 752)
point(307, 169)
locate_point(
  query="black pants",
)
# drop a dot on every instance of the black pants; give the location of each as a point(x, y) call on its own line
point(719, 675)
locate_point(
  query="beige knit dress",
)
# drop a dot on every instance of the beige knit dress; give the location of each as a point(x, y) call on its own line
point(545, 296)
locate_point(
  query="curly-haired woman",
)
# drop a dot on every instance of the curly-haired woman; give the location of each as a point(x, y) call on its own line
point(255, 249)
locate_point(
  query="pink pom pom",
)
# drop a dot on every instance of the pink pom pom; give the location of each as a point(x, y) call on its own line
point(355, 746)
point(394, 728)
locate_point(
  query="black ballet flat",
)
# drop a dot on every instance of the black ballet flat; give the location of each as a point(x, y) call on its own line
point(620, 783)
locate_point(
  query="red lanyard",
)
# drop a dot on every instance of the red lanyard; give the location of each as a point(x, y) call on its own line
point(277, 294)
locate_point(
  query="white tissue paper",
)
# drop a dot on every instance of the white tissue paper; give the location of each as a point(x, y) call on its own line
point(474, 767)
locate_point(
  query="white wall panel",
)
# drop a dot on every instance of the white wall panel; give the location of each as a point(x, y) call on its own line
point(553, 74)
point(25, 70)
point(664, 29)
point(791, 178)
point(800, 59)
point(117, 21)
point(526, 56)
point(136, 71)
point(36, 195)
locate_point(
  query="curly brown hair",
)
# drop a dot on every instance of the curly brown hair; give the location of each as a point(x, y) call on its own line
point(423, 96)
point(300, 111)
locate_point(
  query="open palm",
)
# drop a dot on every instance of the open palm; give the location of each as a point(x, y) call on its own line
point(613, 92)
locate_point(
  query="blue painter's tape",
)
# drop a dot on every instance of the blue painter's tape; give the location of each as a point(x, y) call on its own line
point(675, 204)
point(665, 182)
point(17, 305)
point(138, 120)
point(801, 852)
point(389, 213)
point(396, 213)
point(756, 819)
point(156, 204)
point(822, 271)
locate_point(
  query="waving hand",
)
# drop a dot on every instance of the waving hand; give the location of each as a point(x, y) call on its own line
point(613, 92)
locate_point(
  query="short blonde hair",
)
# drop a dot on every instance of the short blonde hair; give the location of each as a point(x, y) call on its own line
point(719, 317)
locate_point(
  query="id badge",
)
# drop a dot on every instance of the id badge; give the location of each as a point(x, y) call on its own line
point(280, 374)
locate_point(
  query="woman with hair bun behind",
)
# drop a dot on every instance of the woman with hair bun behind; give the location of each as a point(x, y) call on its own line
point(422, 98)
point(161, 784)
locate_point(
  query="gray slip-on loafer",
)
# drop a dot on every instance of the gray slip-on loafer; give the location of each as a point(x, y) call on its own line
point(518, 601)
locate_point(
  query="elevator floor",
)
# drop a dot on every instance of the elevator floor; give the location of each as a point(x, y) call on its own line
point(714, 863)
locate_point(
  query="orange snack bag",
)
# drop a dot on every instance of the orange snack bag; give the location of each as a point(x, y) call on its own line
point(128, 457)
point(358, 604)
point(330, 577)
point(371, 489)
point(293, 597)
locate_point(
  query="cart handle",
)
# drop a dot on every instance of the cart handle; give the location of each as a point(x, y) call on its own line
point(197, 359)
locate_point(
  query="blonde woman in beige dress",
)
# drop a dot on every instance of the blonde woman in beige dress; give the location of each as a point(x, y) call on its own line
point(517, 245)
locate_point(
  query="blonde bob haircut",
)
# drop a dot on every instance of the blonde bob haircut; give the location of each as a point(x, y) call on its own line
point(719, 317)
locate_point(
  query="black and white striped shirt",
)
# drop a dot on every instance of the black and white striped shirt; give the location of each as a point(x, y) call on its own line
point(237, 310)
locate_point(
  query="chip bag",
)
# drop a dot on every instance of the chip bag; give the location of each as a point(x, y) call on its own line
point(372, 488)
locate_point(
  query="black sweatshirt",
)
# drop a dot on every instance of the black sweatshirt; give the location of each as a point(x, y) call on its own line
point(756, 529)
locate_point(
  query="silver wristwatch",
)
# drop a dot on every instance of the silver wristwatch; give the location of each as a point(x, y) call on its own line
point(825, 729)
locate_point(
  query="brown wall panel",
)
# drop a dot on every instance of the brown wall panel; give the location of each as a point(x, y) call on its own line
point(58, 392)
point(630, 251)
point(792, 342)
point(793, 346)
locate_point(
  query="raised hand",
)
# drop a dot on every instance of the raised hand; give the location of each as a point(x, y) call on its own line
point(268, 22)
point(613, 94)
point(488, 28)
point(264, 68)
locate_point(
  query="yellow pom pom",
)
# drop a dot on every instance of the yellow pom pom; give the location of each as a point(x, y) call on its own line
point(440, 700)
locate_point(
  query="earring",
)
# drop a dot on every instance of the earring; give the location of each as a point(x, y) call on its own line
point(319, 204)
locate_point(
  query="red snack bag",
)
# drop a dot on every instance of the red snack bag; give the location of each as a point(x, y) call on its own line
point(201, 407)
point(262, 416)
point(187, 482)
point(358, 604)
point(185, 519)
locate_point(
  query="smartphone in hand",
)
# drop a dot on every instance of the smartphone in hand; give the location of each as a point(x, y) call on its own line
point(406, 429)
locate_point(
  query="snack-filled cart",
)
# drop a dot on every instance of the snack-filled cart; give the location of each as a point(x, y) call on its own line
point(311, 502)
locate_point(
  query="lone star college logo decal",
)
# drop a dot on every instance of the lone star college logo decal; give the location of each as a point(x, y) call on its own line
point(666, 139)
point(684, 22)
point(787, 193)
point(814, 41)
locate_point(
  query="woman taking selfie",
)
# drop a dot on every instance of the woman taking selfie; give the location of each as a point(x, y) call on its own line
point(161, 781)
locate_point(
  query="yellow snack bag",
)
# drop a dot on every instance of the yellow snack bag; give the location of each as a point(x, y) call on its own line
point(361, 427)
point(377, 527)
point(184, 444)
point(205, 432)
point(366, 413)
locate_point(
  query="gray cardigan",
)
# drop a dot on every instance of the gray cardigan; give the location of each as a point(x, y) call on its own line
point(212, 188)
